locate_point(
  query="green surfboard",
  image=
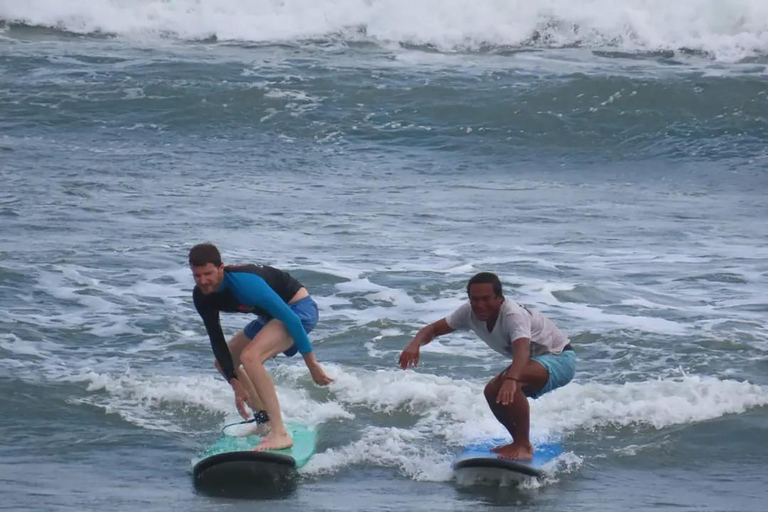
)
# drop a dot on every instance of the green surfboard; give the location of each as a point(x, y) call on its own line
point(233, 458)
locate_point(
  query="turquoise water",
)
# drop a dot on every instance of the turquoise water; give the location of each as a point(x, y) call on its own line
point(608, 163)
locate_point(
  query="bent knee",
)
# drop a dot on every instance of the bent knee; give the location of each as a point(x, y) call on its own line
point(253, 356)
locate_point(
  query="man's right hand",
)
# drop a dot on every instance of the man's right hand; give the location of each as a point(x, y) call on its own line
point(241, 399)
point(410, 356)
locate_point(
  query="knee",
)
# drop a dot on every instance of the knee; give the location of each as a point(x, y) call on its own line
point(252, 356)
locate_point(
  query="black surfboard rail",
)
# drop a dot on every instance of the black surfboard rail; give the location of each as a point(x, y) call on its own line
point(249, 456)
point(494, 463)
point(246, 474)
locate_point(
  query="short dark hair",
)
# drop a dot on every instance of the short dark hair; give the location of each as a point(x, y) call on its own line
point(486, 278)
point(203, 254)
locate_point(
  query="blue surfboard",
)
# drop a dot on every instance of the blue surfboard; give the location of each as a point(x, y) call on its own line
point(479, 456)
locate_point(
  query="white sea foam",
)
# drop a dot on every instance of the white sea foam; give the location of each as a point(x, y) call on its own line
point(392, 303)
point(454, 412)
point(443, 412)
point(15, 345)
point(152, 402)
point(446, 412)
point(728, 29)
point(160, 402)
point(389, 447)
point(656, 403)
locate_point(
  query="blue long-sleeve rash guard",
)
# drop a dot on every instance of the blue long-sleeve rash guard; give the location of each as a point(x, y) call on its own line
point(257, 289)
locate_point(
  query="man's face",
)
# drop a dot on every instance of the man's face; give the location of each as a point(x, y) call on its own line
point(208, 277)
point(485, 304)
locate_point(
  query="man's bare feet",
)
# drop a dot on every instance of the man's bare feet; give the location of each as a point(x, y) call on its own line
point(275, 441)
point(516, 451)
point(497, 449)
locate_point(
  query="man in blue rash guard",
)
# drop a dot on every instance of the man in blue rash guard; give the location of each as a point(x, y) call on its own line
point(286, 313)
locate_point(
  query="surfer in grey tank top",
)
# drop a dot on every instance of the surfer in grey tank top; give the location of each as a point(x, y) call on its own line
point(542, 357)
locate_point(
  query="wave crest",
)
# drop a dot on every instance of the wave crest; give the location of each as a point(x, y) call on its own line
point(728, 30)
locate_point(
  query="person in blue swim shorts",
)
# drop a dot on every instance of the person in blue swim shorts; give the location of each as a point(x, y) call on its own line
point(285, 314)
point(542, 357)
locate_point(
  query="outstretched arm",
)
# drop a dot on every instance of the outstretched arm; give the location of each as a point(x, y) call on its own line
point(256, 292)
point(316, 371)
point(410, 356)
point(252, 290)
point(278, 309)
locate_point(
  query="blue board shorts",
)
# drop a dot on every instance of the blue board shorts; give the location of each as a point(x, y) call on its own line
point(305, 309)
point(561, 368)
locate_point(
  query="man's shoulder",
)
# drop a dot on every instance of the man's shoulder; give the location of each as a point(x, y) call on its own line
point(511, 307)
point(249, 268)
point(459, 318)
point(512, 315)
point(250, 271)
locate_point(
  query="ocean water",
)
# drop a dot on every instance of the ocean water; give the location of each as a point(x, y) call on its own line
point(609, 160)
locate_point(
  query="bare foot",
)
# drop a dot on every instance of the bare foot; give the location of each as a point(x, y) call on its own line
point(497, 449)
point(516, 451)
point(275, 441)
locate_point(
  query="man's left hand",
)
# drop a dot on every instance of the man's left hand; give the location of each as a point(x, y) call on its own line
point(319, 376)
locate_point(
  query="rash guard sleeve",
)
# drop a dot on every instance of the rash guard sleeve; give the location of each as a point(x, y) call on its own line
point(252, 290)
point(210, 316)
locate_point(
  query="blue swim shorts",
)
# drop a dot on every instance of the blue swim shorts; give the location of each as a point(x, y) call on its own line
point(305, 309)
point(561, 368)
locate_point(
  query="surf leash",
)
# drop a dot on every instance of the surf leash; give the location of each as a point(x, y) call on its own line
point(260, 417)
